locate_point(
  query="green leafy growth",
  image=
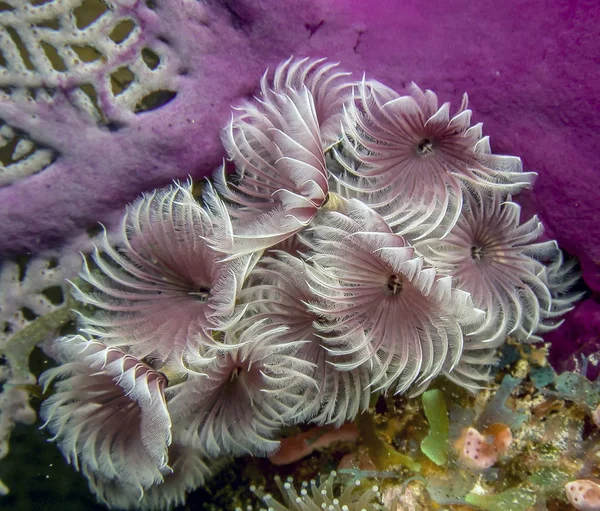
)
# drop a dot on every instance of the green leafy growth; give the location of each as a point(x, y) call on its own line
point(435, 444)
point(513, 499)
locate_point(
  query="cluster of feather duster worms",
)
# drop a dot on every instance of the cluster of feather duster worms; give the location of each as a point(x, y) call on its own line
point(356, 241)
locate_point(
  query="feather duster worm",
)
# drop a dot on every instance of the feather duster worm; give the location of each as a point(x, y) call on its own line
point(166, 283)
point(108, 414)
point(410, 151)
point(377, 294)
point(191, 468)
point(279, 293)
point(419, 267)
point(474, 369)
point(277, 145)
point(498, 259)
point(236, 396)
point(329, 87)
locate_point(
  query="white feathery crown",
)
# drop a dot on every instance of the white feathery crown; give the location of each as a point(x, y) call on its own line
point(357, 241)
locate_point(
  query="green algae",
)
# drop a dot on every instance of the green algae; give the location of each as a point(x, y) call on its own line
point(513, 499)
point(435, 444)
